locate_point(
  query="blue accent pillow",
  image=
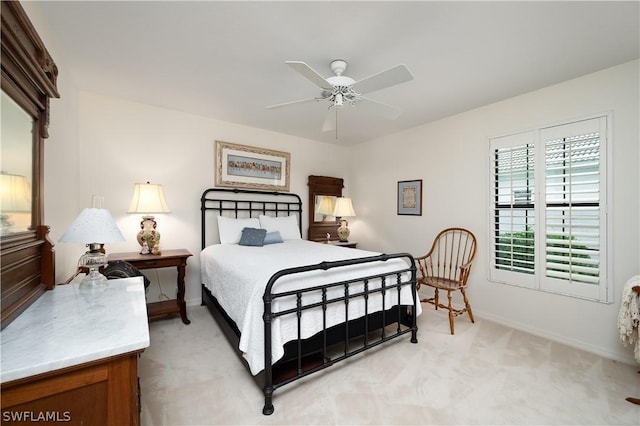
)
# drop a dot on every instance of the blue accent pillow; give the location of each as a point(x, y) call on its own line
point(273, 237)
point(252, 237)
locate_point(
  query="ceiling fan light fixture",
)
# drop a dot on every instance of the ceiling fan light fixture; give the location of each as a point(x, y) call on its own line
point(340, 81)
point(338, 101)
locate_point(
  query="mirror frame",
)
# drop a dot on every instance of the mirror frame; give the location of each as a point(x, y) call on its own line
point(29, 77)
point(323, 185)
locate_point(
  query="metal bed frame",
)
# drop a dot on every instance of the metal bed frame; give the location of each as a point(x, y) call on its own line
point(332, 344)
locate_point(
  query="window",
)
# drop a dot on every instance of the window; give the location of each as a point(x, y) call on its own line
point(548, 215)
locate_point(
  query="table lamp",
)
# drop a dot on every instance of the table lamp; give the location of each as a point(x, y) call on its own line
point(148, 199)
point(343, 209)
point(93, 227)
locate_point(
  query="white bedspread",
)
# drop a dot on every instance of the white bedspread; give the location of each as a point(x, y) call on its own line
point(237, 276)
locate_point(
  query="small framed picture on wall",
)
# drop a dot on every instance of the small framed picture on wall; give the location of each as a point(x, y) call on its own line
point(410, 197)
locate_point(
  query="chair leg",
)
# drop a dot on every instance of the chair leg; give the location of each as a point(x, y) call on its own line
point(467, 305)
point(436, 299)
point(451, 314)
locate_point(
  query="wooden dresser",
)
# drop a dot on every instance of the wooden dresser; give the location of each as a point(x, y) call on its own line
point(72, 356)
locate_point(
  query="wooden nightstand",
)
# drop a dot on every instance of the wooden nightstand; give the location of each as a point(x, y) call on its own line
point(350, 244)
point(168, 258)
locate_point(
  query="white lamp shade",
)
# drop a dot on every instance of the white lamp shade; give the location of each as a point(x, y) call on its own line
point(15, 194)
point(148, 198)
point(343, 208)
point(92, 226)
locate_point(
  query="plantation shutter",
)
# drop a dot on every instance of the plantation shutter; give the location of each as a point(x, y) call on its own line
point(513, 242)
point(548, 217)
point(574, 223)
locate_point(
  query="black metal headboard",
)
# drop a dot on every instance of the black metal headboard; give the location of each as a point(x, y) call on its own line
point(244, 203)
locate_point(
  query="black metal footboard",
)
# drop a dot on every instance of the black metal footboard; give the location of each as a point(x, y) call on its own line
point(373, 328)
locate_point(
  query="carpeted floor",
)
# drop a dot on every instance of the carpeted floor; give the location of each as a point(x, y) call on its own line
point(485, 374)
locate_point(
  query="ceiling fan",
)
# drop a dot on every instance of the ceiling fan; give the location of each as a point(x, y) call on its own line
point(339, 90)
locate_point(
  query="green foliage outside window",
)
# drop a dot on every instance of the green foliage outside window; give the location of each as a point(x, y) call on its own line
point(515, 251)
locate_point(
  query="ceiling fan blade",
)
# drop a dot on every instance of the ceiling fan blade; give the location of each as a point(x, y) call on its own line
point(378, 108)
point(310, 74)
point(391, 77)
point(302, 101)
point(330, 120)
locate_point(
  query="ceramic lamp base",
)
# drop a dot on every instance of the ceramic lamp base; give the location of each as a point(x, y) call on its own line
point(343, 231)
point(149, 237)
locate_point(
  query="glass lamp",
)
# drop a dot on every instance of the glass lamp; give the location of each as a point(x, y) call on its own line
point(343, 209)
point(93, 227)
point(148, 199)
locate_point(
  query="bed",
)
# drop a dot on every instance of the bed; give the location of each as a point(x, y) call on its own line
point(292, 307)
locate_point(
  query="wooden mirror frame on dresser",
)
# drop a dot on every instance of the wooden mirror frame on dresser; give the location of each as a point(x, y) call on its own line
point(323, 185)
point(29, 79)
point(103, 389)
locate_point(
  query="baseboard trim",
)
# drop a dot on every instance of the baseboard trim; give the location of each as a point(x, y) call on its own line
point(194, 302)
point(558, 338)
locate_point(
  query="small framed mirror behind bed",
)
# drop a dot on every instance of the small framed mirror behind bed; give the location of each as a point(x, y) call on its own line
point(323, 191)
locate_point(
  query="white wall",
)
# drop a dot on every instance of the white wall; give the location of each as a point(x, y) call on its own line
point(451, 157)
point(61, 174)
point(123, 142)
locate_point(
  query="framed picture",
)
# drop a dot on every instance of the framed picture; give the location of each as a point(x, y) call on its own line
point(410, 197)
point(241, 166)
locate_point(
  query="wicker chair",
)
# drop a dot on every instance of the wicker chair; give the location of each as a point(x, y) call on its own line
point(447, 267)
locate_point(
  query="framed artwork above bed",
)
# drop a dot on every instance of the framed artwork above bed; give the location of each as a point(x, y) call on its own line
point(242, 166)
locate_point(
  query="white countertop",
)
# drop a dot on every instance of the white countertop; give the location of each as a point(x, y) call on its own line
point(68, 326)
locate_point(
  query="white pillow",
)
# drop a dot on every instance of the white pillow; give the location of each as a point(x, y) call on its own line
point(286, 225)
point(230, 229)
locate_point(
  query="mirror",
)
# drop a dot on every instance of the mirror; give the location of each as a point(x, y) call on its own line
point(27, 257)
point(323, 208)
point(16, 167)
point(323, 193)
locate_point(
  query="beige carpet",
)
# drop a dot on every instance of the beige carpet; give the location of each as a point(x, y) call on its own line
point(486, 374)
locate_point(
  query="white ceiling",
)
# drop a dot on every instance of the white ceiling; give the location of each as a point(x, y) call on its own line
point(225, 60)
